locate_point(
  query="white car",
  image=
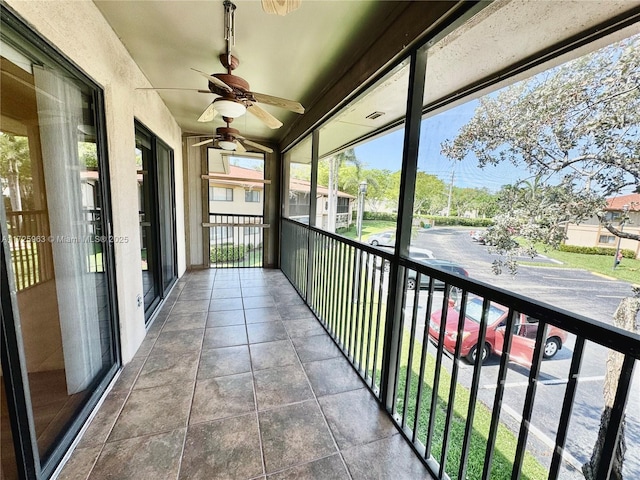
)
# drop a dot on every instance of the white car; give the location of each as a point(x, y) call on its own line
point(416, 254)
point(419, 254)
point(387, 239)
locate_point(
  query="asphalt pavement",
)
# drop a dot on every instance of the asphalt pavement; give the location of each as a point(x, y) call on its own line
point(575, 290)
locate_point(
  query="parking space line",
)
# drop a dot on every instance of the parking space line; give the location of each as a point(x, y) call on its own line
point(599, 280)
point(566, 456)
point(558, 381)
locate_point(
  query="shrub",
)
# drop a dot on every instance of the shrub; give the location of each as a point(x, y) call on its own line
point(391, 217)
point(227, 253)
point(596, 250)
point(460, 221)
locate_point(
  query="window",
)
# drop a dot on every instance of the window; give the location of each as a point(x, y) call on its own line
point(613, 216)
point(608, 239)
point(297, 203)
point(357, 169)
point(343, 205)
point(221, 194)
point(252, 196)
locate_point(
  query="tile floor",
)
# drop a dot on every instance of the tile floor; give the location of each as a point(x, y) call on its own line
point(236, 379)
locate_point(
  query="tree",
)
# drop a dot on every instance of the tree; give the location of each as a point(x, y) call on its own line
point(576, 130)
point(378, 194)
point(430, 192)
point(336, 162)
point(15, 168)
point(478, 200)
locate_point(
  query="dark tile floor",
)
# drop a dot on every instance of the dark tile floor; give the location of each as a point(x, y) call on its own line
point(236, 379)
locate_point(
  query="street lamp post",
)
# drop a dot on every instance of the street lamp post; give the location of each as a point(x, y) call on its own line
point(362, 192)
point(623, 220)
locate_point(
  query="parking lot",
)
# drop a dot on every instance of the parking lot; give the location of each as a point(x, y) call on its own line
point(575, 290)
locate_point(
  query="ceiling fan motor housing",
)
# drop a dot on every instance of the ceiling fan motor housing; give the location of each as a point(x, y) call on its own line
point(235, 82)
point(227, 133)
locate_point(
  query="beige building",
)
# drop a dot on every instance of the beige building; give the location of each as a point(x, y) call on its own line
point(592, 233)
point(299, 204)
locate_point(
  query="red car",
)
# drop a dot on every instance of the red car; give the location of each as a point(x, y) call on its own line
point(523, 342)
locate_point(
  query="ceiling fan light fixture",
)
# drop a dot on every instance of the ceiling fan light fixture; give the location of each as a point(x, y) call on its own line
point(229, 108)
point(227, 145)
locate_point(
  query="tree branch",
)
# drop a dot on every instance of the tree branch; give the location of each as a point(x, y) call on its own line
point(615, 231)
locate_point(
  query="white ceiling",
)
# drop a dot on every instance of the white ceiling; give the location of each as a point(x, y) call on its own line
point(289, 56)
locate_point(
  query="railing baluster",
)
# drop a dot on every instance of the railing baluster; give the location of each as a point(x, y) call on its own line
point(527, 410)
point(454, 377)
point(364, 298)
point(567, 408)
point(377, 335)
point(436, 379)
point(423, 361)
point(497, 401)
point(350, 300)
point(412, 341)
point(616, 418)
point(473, 395)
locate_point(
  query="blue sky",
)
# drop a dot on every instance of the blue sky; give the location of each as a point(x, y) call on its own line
point(386, 153)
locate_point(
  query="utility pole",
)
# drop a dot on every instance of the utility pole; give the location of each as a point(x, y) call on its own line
point(453, 172)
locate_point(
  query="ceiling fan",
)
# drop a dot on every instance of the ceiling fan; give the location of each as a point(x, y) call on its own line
point(227, 138)
point(235, 96)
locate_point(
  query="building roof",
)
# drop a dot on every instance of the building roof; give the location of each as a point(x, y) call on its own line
point(295, 184)
point(236, 172)
point(298, 185)
point(618, 203)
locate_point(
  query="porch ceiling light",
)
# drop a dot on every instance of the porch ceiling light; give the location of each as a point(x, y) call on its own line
point(229, 108)
point(227, 145)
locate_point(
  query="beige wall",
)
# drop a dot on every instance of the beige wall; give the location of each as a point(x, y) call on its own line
point(586, 235)
point(238, 206)
point(79, 31)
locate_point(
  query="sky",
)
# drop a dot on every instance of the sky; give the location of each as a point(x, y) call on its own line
point(386, 153)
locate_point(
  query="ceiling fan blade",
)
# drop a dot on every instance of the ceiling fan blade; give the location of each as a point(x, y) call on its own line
point(209, 114)
point(264, 116)
point(202, 143)
point(175, 88)
point(239, 147)
point(256, 145)
point(278, 102)
point(214, 80)
point(280, 7)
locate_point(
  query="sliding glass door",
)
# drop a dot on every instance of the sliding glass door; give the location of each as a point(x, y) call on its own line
point(59, 331)
point(156, 208)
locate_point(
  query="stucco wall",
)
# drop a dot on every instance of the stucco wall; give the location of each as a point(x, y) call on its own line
point(79, 31)
point(588, 235)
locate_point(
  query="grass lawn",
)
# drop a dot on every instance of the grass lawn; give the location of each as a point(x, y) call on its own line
point(628, 270)
point(505, 443)
point(368, 227)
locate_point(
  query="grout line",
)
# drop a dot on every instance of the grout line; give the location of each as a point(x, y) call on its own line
point(255, 393)
point(315, 397)
point(193, 394)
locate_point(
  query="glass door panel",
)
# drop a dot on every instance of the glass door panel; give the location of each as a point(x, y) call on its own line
point(51, 180)
point(156, 208)
point(166, 216)
point(146, 212)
